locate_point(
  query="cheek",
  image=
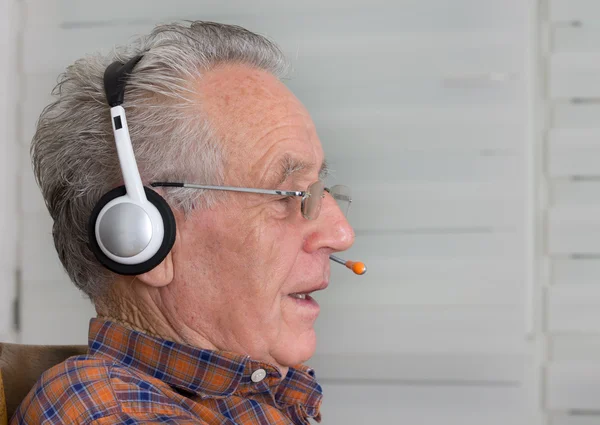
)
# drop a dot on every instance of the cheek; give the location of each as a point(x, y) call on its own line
point(274, 243)
point(283, 249)
point(245, 262)
point(270, 272)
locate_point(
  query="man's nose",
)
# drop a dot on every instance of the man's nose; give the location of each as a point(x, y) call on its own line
point(330, 229)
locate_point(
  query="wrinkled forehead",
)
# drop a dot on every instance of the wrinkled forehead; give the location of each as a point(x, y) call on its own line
point(257, 117)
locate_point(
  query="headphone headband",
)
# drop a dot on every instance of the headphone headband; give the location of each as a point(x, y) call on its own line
point(132, 228)
point(115, 78)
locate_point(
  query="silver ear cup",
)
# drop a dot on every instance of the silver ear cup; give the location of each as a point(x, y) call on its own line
point(125, 229)
point(143, 238)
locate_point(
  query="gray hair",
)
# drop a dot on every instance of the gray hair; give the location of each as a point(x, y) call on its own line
point(73, 150)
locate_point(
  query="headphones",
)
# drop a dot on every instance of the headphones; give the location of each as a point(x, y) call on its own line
point(132, 228)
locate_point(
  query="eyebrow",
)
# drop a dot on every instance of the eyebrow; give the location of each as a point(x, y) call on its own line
point(290, 166)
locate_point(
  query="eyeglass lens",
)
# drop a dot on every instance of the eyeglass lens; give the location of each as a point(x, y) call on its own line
point(313, 199)
point(311, 203)
point(343, 197)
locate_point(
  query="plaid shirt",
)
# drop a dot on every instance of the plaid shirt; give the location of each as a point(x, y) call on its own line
point(132, 378)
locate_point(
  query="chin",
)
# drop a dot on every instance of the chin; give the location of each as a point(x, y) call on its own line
point(296, 350)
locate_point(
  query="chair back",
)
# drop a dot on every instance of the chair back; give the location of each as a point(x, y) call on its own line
point(3, 416)
point(22, 365)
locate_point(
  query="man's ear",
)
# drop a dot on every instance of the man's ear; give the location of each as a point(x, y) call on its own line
point(162, 274)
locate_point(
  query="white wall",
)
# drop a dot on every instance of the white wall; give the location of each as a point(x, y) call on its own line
point(425, 108)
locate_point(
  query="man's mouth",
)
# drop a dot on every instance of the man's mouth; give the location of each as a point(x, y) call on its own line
point(306, 294)
point(306, 305)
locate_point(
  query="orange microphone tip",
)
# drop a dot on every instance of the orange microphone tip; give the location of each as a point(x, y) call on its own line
point(357, 267)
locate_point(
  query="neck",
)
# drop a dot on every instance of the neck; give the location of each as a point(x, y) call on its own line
point(139, 308)
point(125, 322)
point(151, 312)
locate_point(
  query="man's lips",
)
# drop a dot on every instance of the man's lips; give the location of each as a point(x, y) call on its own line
point(302, 293)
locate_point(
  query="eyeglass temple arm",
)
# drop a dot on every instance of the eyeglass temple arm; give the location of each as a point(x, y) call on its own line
point(338, 196)
point(229, 188)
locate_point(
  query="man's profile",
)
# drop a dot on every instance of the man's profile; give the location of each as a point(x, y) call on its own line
point(186, 186)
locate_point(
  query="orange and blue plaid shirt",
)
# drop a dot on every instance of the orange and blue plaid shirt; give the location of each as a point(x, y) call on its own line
point(132, 378)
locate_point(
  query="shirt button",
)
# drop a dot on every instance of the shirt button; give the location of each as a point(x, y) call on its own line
point(258, 375)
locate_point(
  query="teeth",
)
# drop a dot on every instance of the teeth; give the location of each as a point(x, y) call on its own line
point(299, 296)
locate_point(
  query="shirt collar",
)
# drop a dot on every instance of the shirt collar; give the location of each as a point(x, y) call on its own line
point(203, 372)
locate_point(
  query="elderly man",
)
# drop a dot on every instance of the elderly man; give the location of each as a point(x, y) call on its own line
point(202, 285)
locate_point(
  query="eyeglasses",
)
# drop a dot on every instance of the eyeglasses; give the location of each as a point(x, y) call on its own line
point(312, 197)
